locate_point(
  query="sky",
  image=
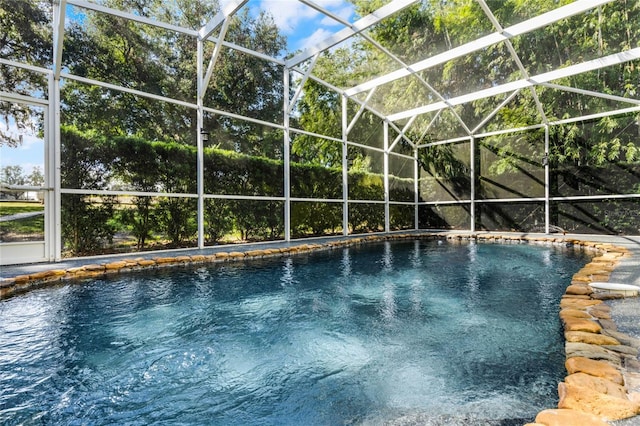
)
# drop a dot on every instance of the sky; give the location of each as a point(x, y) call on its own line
point(28, 155)
point(304, 26)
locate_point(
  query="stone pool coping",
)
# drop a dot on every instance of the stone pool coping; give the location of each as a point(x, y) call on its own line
point(603, 383)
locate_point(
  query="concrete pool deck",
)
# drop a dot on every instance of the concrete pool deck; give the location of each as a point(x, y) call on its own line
point(626, 270)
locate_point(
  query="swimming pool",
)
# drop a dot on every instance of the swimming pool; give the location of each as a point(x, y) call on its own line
point(405, 331)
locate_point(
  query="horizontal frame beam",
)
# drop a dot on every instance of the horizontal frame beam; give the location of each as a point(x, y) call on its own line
point(534, 200)
point(130, 16)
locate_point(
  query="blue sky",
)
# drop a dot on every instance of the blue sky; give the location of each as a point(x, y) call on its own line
point(28, 155)
point(304, 26)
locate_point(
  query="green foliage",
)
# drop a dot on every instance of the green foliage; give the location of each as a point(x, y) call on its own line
point(366, 217)
point(87, 224)
point(259, 219)
point(313, 181)
point(161, 62)
point(26, 229)
point(25, 36)
point(177, 218)
point(218, 219)
point(401, 217)
point(315, 218)
point(135, 164)
point(140, 219)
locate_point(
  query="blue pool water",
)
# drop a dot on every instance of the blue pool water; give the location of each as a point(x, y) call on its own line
point(407, 332)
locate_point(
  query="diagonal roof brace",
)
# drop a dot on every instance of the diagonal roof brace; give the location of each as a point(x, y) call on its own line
point(592, 93)
point(305, 77)
point(595, 64)
point(357, 27)
point(58, 37)
point(539, 21)
point(356, 117)
point(402, 135)
point(232, 7)
point(215, 55)
point(514, 56)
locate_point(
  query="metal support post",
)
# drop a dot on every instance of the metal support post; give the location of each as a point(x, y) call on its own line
point(345, 170)
point(416, 189)
point(287, 160)
point(387, 226)
point(53, 202)
point(547, 213)
point(200, 136)
point(472, 176)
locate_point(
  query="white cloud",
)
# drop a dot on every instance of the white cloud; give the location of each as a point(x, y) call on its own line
point(345, 13)
point(287, 14)
point(330, 4)
point(319, 35)
point(30, 142)
point(28, 154)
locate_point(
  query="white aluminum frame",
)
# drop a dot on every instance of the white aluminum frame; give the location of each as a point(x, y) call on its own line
point(221, 23)
point(539, 21)
point(45, 249)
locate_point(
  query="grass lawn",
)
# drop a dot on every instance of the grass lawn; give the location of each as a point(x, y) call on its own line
point(27, 229)
point(13, 207)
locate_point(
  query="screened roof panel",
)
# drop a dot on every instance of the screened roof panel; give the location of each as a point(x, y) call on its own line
point(256, 93)
point(461, 20)
point(579, 38)
point(511, 12)
point(476, 71)
point(426, 28)
point(350, 63)
point(447, 125)
point(517, 109)
point(133, 43)
point(410, 92)
point(584, 94)
point(422, 57)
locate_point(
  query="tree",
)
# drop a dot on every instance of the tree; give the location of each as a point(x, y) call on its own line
point(36, 178)
point(12, 175)
point(25, 36)
point(162, 62)
point(86, 221)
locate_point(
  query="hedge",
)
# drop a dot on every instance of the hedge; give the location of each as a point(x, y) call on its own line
point(90, 161)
